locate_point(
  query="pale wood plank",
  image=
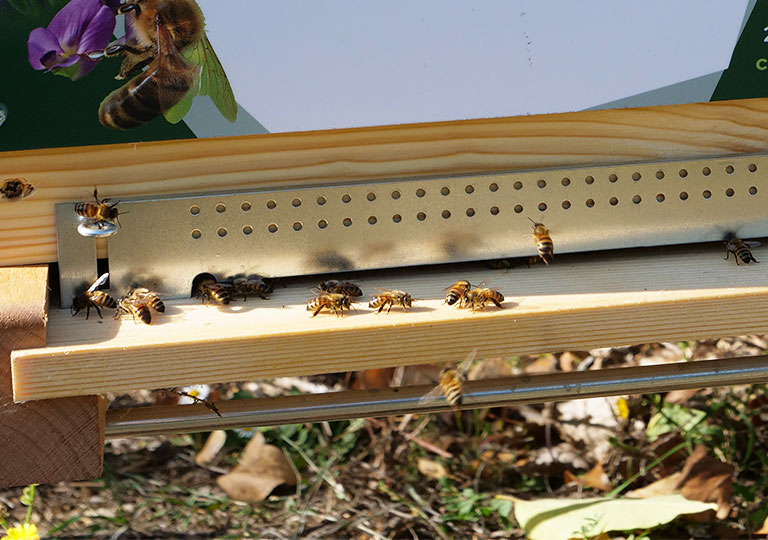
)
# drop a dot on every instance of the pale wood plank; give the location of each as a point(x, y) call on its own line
point(581, 302)
point(530, 142)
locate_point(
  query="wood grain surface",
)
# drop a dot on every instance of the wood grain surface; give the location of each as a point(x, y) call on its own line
point(46, 441)
point(27, 231)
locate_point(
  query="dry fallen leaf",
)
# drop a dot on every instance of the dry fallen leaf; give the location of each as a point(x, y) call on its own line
point(664, 486)
point(595, 478)
point(681, 396)
point(764, 528)
point(432, 469)
point(261, 469)
point(213, 444)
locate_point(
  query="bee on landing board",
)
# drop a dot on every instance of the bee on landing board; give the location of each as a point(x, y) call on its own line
point(477, 298)
point(451, 382)
point(168, 54)
point(740, 249)
point(252, 284)
point(457, 291)
point(341, 287)
point(388, 299)
point(91, 298)
point(100, 212)
point(15, 189)
point(544, 245)
point(152, 299)
point(132, 306)
point(210, 289)
point(334, 302)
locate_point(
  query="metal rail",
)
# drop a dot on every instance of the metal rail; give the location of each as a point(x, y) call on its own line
point(147, 421)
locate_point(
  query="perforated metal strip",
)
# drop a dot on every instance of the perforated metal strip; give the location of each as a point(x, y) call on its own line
point(166, 242)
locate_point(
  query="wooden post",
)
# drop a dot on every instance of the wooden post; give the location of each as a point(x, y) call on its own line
point(50, 440)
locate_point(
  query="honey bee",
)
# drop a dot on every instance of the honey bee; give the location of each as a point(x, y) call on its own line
point(168, 52)
point(16, 189)
point(341, 287)
point(451, 382)
point(509, 264)
point(477, 298)
point(334, 302)
point(740, 249)
point(252, 284)
point(93, 298)
point(210, 289)
point(457, 291)
point(544, 244)
point(100, 212)
point(152, 299)
point(388, 298)
point(136, 308)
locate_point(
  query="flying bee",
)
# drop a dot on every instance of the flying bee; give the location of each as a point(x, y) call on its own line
point(740, 249)
point(93, 298)
point(101, 212)
point(477, 298)
point(388, 298)
point(210, 289)
point(341, 287)
point(152, 299)
point(457, 291)
point(16, 189)
point(544, 245)
point(138, 309)
point(334, 302)
point(451, 382)
point(168, 53)
point(252, 284)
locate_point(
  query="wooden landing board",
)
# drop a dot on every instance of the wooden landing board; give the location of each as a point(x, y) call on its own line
point(583, 301)
point(27, 230)
point(51, 440)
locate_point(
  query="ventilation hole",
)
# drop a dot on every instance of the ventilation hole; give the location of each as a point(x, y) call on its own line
point(420, 192)
point(346, 198)
point(220, 208)
point(660, 174)
point(245, 207)
point(566, 182)
point(347, 222)
point(518, 209)
point(395, 194)
point(612, 178)
point(322, 224)
point(753, 190)
point(729, 169)
point(271, 204)
point(518, 186)
point(297, 226)
point(296, 202)
point(637, 199)
point(397, 218)
point(566, 205)
point(494, 187)
point(706, 171)
point(196, 234)
point(470, 212)
point(247, 230)
point(683, 195)
point(446, 214)
point(542, 207)
point(494, 210)
point(589, 180)
point(222, 232)
point(195, 210)
point(272, 228)
point(445, 191)
point(321, 201)
point(372, 220)
point(636, 176)
point(421, 216)
point(469, 189)
point(613, 201)
point(752, 167)
point(683, 173)
point(729, 192)
point(706, 194)
point(542, 183)
point(371, 196)
point(590, 203)
point(660, 197)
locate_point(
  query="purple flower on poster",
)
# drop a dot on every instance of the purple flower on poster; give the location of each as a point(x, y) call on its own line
point(81, 27)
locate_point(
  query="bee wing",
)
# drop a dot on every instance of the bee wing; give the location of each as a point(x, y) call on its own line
point(433, 395)
point(463, 367)
point(173, 71)
point(99, 282)
point(213, 79)
point(752, 244)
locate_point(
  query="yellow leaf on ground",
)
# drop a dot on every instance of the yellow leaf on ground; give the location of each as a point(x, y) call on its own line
point(764, 528)
point(213, 445)
point(432, 469)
